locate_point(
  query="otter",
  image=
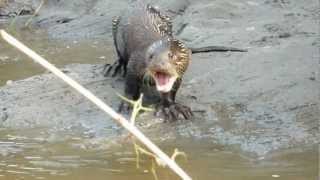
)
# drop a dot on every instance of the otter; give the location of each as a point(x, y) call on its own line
point(146, 49)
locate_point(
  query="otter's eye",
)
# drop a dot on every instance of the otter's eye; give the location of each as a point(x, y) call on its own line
point(171, 56)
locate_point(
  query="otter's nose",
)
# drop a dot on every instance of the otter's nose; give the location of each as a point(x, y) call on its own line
point(161, 64)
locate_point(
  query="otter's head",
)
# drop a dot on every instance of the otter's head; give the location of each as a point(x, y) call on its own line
point(167, 60)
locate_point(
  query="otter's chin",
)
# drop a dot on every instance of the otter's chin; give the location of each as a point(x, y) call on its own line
point(164, 81)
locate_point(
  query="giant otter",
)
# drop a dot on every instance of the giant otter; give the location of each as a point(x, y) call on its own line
point(146, 49)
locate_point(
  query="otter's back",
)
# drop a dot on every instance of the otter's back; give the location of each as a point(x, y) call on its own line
point(140, 27)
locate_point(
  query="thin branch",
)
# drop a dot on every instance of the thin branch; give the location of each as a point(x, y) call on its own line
point(215, 49)
point(177, 153)
point(107, 109)
point(137, 107)
point(153, 170)
point(179, 31)
point(36, 12)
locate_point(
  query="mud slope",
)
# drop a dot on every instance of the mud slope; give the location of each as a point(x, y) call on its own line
point(262, 100)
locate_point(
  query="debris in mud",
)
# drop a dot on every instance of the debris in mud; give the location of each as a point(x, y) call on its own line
point(64, 20)
point(16, 8)
point(4, 58)
point(284, 35)
point(3, 115)
point(266, 41)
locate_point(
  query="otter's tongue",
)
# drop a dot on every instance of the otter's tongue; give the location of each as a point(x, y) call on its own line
point(162, 78)
point(164, 81)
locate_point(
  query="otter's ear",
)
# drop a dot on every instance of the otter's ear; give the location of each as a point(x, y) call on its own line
point(172, 56)
point(179, 47)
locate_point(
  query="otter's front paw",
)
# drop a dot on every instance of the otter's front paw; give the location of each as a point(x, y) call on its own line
point(173, 111)
point(115, 67)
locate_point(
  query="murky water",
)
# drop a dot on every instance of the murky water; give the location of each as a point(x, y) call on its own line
point(14, 65)
point(35, 154)
point(29, 155)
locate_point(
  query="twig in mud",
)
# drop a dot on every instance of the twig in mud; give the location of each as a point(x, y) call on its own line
point(34, 14)
point(153, 170)
point(179, 12)
point(107, 109)
point(215, 49)
point(179, 31)
point(177, 153)
point(137, 107)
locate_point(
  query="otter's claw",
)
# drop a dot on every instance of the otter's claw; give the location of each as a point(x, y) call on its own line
point(108, 67)
point(173, 111)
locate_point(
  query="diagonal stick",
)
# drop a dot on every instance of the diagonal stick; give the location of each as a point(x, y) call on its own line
point(119, 118)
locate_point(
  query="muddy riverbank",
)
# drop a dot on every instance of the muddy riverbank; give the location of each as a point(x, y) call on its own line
point(253, 104)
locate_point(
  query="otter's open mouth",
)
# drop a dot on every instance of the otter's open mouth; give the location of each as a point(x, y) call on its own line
point(164, 81)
